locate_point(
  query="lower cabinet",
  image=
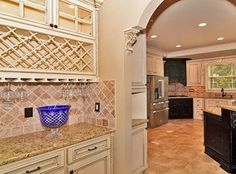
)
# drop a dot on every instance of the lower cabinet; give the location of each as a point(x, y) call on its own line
point(88, 157)
point(139, 149)
point(99, 164)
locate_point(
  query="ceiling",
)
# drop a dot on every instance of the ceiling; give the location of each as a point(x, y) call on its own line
point(178, 25)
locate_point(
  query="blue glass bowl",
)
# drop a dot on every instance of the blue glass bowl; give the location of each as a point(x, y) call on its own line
point(54, 116)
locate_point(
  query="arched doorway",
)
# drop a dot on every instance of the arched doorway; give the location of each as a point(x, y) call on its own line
point(161, 7)
point(155, 8)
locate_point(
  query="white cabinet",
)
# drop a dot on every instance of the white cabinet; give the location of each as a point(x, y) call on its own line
point(37, 11)
point(138, 65)
point(99, 164)
point(48, 40)
point(92, 156)
point(139, 149)
point(155, 64)
point(46, 163)
point(198, 108)
point(62, 15)
point(195, 73)
point(74, 16)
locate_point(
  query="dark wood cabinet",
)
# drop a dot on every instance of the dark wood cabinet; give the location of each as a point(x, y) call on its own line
point(220, 138)
point(176, 71)
point(180, 108)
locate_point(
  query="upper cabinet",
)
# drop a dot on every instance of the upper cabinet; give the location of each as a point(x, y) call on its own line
point(31, 10)
point(48, 40)
point(74, 16)
point(62, 15)
point(195, 73)
point(175, 70)
point(155, 64)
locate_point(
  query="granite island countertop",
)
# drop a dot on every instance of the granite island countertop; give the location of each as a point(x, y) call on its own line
point(137, 122)
point(213, 112)
point(20, 147)
point(229, 107)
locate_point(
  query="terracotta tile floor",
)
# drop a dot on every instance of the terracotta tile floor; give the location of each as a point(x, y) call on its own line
point(177, 148)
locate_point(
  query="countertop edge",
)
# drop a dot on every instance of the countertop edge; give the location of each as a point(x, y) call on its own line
point(60, 145)
point(137, 122)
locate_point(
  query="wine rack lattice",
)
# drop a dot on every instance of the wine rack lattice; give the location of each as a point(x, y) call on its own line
point(28, 51)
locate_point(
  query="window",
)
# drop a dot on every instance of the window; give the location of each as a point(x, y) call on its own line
point(222, 75)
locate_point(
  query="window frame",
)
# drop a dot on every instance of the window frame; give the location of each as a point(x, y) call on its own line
point(207, 73)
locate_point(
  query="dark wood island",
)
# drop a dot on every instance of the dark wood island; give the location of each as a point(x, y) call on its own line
point(220, 137)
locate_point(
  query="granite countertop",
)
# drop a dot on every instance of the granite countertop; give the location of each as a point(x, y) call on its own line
point(20, 147)
point(232, 108)
point(137, 122)
point(212, 112)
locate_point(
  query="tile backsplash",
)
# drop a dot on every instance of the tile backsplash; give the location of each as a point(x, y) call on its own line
point(194, 91)
point(13, 122)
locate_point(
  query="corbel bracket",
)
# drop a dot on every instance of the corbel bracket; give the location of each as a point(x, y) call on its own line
point(131, 36)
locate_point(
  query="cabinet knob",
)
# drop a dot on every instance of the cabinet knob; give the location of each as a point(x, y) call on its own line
point(55, 26)
point(51, 25)
point(72, 172)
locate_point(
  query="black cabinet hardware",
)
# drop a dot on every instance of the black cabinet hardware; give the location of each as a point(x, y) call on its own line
point(92, 149)
point(34, 170)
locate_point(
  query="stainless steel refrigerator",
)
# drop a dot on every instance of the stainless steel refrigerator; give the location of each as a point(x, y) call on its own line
point(157, 100)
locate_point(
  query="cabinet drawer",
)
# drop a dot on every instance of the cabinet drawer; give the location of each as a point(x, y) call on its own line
point(88, 148)
point(46, 163)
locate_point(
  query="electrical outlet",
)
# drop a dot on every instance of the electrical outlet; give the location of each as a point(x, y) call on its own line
point(97, 107)
point(28, 112)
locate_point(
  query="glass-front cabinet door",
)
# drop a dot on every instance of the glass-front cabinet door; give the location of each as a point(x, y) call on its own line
point(75, 17)
point(30, 10)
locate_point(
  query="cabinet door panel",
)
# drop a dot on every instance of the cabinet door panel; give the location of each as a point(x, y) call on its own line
point(99, 164)
point(10, 7)
point(194, 74)
point(139, 150)
point(36, 14)
point(33, 10)
point(74, 17)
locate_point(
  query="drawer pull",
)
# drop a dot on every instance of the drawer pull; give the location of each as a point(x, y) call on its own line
point(92, 149)
point(34, 170)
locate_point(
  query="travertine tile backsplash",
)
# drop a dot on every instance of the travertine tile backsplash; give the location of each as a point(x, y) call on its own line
point(13, 123)
point(194, 91)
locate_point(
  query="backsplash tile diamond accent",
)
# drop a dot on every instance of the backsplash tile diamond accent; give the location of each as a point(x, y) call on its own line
point(105, 94)
point(13, 123)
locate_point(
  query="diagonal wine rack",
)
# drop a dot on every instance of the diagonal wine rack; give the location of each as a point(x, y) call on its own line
point(25, 52)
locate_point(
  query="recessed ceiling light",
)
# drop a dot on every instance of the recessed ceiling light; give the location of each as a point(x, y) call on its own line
point(220, 38)
point(71, 6)
point(178, 46)
point(202, 24)
point(153, 36)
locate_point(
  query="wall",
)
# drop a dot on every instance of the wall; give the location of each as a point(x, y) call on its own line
point(13, 123)
point(115, 16)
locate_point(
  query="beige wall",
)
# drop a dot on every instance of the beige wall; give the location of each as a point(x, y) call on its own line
point(115, 16)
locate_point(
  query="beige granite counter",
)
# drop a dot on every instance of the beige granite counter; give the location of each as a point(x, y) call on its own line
point(20, 147)
point(232, 108)
point(212, 112)
point(137, 122)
